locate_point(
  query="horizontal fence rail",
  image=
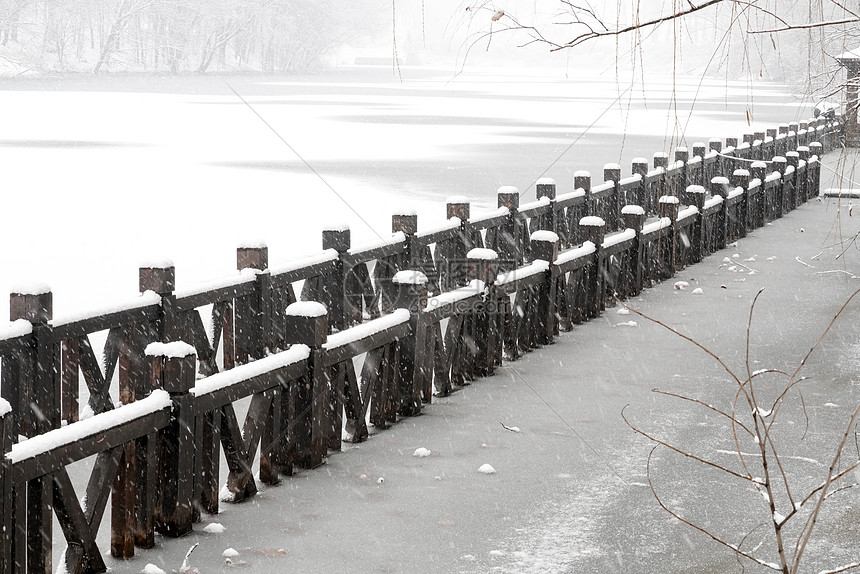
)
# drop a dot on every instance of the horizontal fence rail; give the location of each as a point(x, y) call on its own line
point(355, 334)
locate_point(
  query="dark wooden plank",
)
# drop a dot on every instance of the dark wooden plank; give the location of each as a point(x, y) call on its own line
point(83, 553)
point(272, 432)
point(100, 400)
point(69, 380)
point(61, 456)
point(122, 506)
point(250, 386)
point(210, 458)
point(40, 524)
point(285, 279)
point(219, 295)
point(115, 320)
point(356, 408)
point(241, 480)
point(355, 348)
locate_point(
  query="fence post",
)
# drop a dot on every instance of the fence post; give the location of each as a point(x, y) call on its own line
point(415, 359)
point(582, 180)
point(682, 154)
point(7, 507)
point(612, 172)
point(254, 314)
point(39, 413)
point(448, 253)
point(815, 149)
point(719, 187)
point(594, 229)
point(669, 206)
point(509, 244)
point(741, 178)
point(545, 187)
point(484, 267)
point(661, 161)
point(793, 159)
point(803, 186)
point(758, 170)
point(779, 165)
point(634, 218)
point(639, 167)
point(173, 367)
point(699, 150)
point(334, 285)
point(306, 323)
point(696, 193)
point(715, 144)
point(544, 247)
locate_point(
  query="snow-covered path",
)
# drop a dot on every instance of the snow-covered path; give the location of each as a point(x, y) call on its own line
point(570, 492)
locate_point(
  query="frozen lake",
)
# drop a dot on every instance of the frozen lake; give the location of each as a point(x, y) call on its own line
point(101, 173)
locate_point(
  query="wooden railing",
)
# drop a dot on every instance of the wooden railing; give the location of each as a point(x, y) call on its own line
point(177, 360)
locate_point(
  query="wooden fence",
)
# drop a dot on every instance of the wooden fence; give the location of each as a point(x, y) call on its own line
point(427, 309)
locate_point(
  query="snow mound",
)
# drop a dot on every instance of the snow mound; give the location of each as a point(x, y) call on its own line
point(215, 528)
point(623, 311)
point(230, 553)
point(487, 469)
point(681, 285)
point(628, 324)
point(151, 569)
point(697, 291)
point(421, 452)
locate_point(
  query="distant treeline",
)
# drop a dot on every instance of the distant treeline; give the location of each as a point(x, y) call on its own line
point(179, 35)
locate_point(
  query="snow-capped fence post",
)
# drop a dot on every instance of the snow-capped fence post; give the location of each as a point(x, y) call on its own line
point(160, 277)
point(696, 193)
point(682, 159)
point(307, 324)
point(699, 150)
point(758, 146)
point(779, 165)
point(660, 161)
point(803, 134)
point(640, 196)
point(173, 367)
point(484, 266)
point(634, 218)
point(416, 359)
point(582, 180)
point(39, 402)
point(594, 230)
point(770, 145)
point(406, 222)
point(815, 150)
point(716, 145)
point(731, 143)
point(791, 199)
point(544, 247)
point(793, 135)
point(741, 178)
point(334, 284)
point(612, 172)
point(803, 182)
point(452, 254)
point(758, 171)
point(719, 187)
point(254, 313)
point(545, 187)
point(6, 496)
point(510, 242)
